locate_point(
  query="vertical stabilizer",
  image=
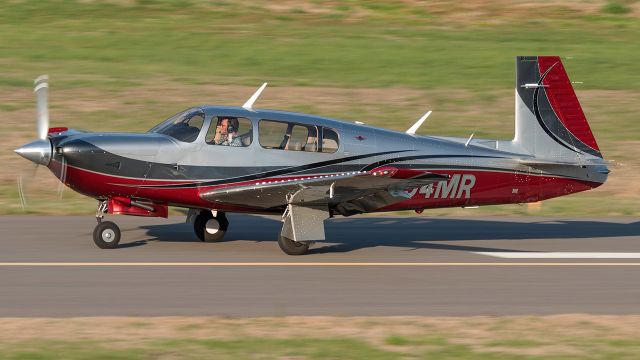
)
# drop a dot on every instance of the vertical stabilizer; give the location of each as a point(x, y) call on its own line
point(549, 120)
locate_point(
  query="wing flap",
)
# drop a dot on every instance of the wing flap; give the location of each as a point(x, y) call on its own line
point(323, 189)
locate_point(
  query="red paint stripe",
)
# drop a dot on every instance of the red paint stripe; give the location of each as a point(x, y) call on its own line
point(564, 100)
point(494, 188)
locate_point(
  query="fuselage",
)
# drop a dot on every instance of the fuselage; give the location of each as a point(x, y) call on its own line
point(165, 170)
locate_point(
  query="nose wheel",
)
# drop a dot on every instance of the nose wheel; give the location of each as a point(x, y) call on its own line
point(209, 228)
point(106, 235)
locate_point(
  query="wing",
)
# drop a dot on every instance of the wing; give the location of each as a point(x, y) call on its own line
point(350, 192)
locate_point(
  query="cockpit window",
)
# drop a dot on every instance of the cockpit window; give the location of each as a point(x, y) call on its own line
point(184, 126)
point(230, 131)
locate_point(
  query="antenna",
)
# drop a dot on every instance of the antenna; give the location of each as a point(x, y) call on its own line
point(412, 130)
point(249, 104)
point(469, 140)
point(533, 86)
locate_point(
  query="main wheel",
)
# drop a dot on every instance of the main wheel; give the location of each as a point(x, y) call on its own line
point(291, 247)
point(106, 235)
point(209, 228)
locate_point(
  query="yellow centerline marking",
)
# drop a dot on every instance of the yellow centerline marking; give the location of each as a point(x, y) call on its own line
point(308, 264)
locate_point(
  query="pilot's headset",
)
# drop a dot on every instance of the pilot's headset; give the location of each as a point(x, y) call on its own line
point(221, 119)
point(234, 125)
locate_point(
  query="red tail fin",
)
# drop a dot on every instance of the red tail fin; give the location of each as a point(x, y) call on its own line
point(563, 100)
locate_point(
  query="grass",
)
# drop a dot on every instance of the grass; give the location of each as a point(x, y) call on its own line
point(531, 337)
point(202, 349)
point(137, 42)
point(616, 8)
point(125, 65)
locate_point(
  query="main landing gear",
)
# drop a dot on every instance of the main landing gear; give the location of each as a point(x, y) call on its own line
point(106, 234)
point(210, 226)
point(301, 228)
point(292, 247)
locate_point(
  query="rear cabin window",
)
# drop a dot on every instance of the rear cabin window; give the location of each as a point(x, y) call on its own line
point(296, 137)
point(288, 136)
point(230, 131)
point(329, 140)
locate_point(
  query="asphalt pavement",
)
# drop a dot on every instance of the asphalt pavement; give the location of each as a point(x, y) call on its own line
point(49, 266)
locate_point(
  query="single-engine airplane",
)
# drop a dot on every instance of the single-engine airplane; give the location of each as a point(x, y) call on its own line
point(218, 159)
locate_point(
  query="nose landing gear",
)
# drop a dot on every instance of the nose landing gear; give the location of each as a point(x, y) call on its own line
point(106, 234)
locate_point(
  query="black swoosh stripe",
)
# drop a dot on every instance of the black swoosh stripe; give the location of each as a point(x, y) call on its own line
point(536, 111)
point(417, 157)
point(284, 171)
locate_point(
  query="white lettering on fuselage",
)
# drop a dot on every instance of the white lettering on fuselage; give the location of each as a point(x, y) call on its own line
point(453, 188)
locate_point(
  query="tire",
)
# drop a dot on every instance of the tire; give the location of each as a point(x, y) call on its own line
point(198, 223)
point(210, 229)
point(106, 235)
point(291, 247)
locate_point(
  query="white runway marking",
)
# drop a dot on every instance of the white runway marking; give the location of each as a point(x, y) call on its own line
point(561, 255)
point(309, 264)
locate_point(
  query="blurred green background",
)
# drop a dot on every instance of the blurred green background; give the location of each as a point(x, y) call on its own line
point(126, 65)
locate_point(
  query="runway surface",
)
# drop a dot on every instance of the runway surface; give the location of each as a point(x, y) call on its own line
point(49, 266)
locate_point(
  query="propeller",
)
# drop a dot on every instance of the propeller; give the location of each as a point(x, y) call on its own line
point(41, 89)
point(23, 181)
point(38, 151)
point(63, 177)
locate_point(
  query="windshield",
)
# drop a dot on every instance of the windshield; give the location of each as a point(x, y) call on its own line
point(184, 126)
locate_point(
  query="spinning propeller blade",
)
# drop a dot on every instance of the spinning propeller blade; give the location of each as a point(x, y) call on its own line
point(23, 182)
point(63, 177)
point(39, 151)
point(23, 201)
point(41, 89)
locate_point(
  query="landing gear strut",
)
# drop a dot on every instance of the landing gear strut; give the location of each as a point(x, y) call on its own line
point(106, 234)
point(210, 228)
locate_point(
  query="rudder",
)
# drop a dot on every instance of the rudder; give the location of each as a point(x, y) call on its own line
point(549, 118)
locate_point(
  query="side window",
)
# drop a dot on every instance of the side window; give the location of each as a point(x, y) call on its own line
point(287, 136)
point(299, 137)
point(272, 134)
point(230, 131)
point(312, 139)
point(329, 140)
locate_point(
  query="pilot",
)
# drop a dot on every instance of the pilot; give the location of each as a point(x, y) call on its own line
point(227, 132)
